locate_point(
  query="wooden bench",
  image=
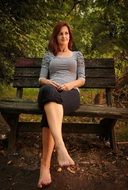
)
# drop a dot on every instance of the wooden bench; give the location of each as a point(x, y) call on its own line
point(100, 74)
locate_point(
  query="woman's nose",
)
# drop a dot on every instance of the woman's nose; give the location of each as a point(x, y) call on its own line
point(63, 35)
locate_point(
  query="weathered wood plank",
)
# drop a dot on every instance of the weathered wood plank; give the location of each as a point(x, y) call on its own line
point(99, 82)
point(91, 82)
point(33, 82)
point(27, 72)
point(28, 62)
point(26, 82)
point(30, 107)
point(99, 63)
point(93, 73)
point(95, 63)
point(100, 73)
point(67, 127)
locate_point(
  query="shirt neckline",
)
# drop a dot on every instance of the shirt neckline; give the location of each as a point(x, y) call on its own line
point(59, 56)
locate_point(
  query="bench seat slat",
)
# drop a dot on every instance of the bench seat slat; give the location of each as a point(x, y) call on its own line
point(30, 107)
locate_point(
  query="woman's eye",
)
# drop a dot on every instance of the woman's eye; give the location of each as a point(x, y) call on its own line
point(61, 34)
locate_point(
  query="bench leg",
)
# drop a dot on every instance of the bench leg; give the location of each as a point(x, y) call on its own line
point(112, 135)
point(12, 120)
point(108, 132)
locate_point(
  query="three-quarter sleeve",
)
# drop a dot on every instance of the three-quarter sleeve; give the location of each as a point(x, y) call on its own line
point(45, 66)
point(80, 66)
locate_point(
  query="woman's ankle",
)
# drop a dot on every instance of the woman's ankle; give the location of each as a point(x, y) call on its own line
point(44, 177)
point(60, 145)
point(44, 164)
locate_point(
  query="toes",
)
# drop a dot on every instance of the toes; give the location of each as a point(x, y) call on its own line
point(39, 185)
point(66, 164)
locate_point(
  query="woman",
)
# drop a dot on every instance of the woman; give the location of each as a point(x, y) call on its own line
point(62, 72)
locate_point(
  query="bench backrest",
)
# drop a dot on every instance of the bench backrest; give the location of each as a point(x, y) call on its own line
point(100, 73)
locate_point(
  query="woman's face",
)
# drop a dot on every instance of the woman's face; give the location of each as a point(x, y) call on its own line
point(63, 37)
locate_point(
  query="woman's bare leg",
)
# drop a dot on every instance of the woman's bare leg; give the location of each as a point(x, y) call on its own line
point(54, 113)
point(48, 146)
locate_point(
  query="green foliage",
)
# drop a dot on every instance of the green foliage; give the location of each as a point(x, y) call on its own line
point(7, 91)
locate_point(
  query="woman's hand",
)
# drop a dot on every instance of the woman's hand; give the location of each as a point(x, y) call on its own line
point(53, 83)
point(50, 82)
point(59, 87)
point(65, 87)
point(70, 85)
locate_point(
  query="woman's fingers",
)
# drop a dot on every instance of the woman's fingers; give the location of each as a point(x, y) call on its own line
point(55, 84)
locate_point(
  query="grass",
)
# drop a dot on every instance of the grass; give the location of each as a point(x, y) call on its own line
point(87, 96)
point(7, 91)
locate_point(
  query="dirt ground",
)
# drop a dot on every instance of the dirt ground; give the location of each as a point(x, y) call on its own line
point(97, 167)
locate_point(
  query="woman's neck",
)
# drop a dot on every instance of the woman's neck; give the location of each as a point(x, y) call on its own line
point(64, 49)
point(65, 53)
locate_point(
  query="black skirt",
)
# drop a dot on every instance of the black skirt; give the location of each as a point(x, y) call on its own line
point(70, 100)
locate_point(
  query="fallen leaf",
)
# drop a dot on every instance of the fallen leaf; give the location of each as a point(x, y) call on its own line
point(71, 170)
point(9, 162)
point(59, 169)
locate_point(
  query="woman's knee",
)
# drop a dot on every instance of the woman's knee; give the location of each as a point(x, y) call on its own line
point(43, 93)
point(45, 90)
point(48, 93)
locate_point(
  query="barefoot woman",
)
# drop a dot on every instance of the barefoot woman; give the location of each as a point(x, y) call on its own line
point(62, 72)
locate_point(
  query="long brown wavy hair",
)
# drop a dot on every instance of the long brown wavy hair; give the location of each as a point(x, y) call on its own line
point(53, 44)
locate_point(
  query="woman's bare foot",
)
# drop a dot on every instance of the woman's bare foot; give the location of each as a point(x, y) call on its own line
point(64, 158)
point(45, 177)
